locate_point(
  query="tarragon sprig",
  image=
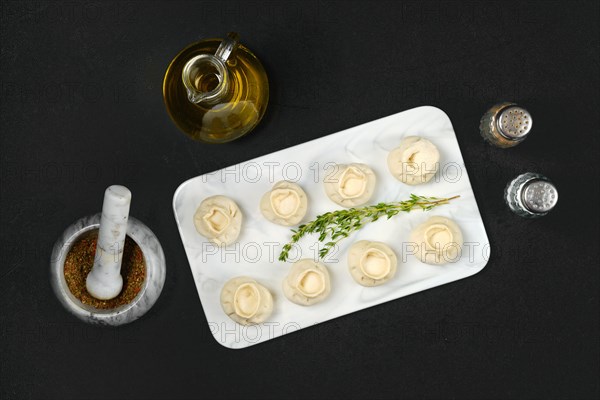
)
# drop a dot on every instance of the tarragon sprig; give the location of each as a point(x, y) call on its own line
point(335, 226)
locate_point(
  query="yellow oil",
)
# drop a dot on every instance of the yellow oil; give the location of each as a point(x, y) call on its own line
point(236, 113)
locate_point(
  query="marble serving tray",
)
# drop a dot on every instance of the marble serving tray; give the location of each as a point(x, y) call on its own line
point(255, 254)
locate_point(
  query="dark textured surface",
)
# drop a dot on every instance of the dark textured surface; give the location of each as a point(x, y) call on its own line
point(82, 109)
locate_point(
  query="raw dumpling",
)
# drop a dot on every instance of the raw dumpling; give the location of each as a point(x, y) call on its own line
point(439, 240)
point(371, 263)
point(285, 204)
point(246, 301)
point(218, 219)
point(350, 185)
point(415, 161)
point(308, 283)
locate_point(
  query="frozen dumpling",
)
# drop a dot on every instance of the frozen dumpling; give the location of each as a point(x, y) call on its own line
point(285, 204)
point(350, 185)
point(246, 301)
point(308, 283)
point(371, 263)
point(415, 161)
point(438, 241)
point(218, 219)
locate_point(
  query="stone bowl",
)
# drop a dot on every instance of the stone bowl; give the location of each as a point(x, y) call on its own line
point(153, 284)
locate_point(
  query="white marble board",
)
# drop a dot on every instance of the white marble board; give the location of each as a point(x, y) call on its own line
point(258, 246)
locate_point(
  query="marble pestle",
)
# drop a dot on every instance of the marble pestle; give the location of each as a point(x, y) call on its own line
point(105, 282)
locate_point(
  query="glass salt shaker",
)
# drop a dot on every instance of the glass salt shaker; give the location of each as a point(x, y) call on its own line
point(505, 125)
point(531, 195)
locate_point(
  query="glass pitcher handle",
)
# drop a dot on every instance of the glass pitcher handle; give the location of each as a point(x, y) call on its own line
point(228, 46)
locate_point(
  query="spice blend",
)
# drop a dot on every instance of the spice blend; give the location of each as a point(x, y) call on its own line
point(79, 263)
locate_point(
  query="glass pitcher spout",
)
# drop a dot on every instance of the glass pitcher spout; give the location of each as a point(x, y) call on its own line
point(206, 77)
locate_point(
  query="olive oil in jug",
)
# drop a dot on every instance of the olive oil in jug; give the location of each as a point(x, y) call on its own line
point(216, 90)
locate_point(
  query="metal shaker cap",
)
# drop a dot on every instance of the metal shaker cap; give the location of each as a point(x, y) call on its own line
point(514, 122)
point(539, 196)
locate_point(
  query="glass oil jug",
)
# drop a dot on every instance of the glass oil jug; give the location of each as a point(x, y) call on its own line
point(216, 90)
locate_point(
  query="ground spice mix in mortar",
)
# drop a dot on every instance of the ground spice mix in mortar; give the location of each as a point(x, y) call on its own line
point(79, 263)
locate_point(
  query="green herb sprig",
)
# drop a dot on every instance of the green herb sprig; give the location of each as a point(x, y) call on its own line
point(335, 226)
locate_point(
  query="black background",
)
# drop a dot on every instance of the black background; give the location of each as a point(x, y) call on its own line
point(82, 109)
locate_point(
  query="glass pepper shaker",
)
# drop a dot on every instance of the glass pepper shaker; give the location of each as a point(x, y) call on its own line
point(531, 195)
point(216, 90)
point(505, 125)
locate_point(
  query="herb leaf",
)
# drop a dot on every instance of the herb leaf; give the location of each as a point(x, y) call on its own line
point(338, 225)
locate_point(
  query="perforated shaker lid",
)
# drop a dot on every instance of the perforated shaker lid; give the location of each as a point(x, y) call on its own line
point(540, 196)
point(515, 122)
